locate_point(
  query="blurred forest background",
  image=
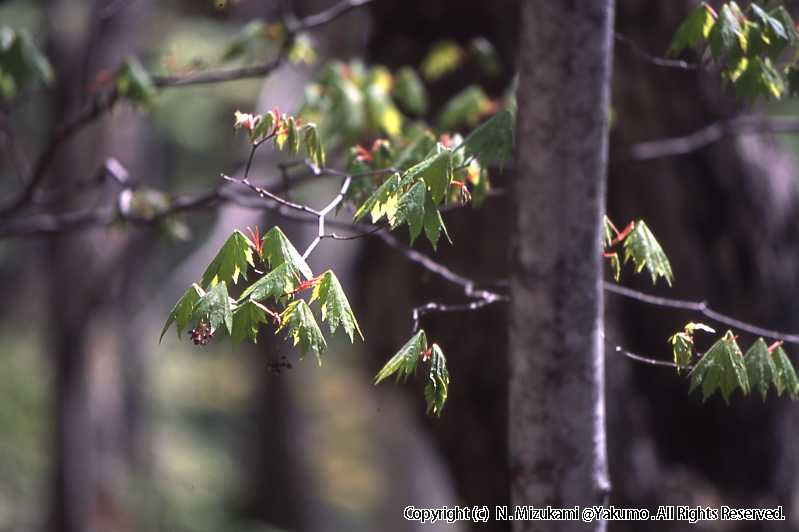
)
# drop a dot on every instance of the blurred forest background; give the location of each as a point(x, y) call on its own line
point(104, 429)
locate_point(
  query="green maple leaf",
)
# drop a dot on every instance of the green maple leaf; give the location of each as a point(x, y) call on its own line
point(383, 202)
point(436, 171)
point(437, 387)
point(215, 307)
point(643, 249)
point(411, 210)
point(727, 36)
point(231, 261)
point(182, 311)
point(246, 318)
point(279, 250)
point(768, 35)
point(409, 91)
point(335, 307)
point(134, 83)
point(300, 325)
point(404, 362)
point(313, 145)
point(682, 347)
point(721, 368)
point(433, 223)
point(784, 375)
point(278, 283)
point(760, 367)
point(493, 139)
point(694, 30)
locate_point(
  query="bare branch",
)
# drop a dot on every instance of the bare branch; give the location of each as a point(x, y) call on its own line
point(657, 61)
point(702, 308)
point(106, 100)
point(741, 125)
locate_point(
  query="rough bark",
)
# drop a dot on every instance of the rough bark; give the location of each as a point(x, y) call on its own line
point(556, 396)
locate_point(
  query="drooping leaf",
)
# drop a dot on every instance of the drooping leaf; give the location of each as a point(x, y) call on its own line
point(768, 35)
point(758, 78)
point(760, 367)
point(727, 36)
point(335, 307)
point(246, 319)
point(215, 308)
point(487, 56)
point(182, 311)
point(313, 145)
point(782, 15)
point(21, 62)
point(493, 139)
point(694, 30)
point(784, 374)
point(409, 91)
point(465, 108)
point(436, 171)
point(134, 83)
point(293, 136)
point(279, 250)
point(433, 223)
point(643, 249)
point(437, 387)
point(231, 261)
point(721, 368)
point(443, 58)
point(404, 362)
point(300, 325)
point(682, 348)
point(383, 202)
point(411, 210)
point(279, 282)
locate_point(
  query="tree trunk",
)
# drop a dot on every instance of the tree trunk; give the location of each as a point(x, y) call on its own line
point(556, 408)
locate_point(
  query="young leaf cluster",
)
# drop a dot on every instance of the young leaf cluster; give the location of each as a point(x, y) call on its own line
point(724, 367)
point(134, 83)
point(21, 63)
point(640, 247)
point(268, 299)
point(287, 132)
point(747, 45)
point(405, 362)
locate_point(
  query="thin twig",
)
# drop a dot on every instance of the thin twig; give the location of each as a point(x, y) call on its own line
point(657, 61)
point(106, 100)
point(324, 212)
point(702, 308)
point(741, 125)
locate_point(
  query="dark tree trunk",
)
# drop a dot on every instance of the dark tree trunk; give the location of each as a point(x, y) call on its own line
point(556, 397)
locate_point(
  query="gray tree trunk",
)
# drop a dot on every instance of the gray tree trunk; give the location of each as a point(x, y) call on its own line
point(556, 409)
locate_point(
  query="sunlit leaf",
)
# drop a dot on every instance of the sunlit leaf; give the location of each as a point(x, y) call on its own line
point(300, 325)
point(335, 307)
point(644, 251)
point(231, 261)
point(437, 387)
point(182, 311)
point(760, 367)
point(403, 363)
point(278, 250)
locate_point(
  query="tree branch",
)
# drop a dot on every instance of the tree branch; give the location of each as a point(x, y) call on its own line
point(702, 308)
point(657, 61)
point(741, 125)
point(106, 100)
